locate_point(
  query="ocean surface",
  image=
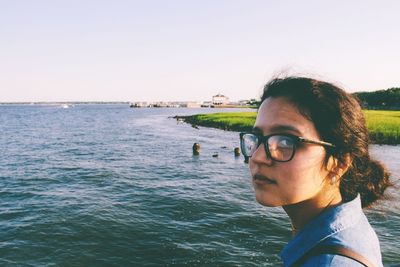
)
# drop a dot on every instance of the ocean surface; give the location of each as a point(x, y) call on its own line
point(106, 185)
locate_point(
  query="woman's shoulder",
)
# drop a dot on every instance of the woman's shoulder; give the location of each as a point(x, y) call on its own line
point(331, 261)
point(360, 238)
point(343, 226)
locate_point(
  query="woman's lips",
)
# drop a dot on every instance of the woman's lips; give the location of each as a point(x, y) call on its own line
point(261, 179)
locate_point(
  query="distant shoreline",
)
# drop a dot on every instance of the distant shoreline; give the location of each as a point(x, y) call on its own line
point(115, 103)
point(63, 103)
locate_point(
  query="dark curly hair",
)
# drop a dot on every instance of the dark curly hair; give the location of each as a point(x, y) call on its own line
point(338, 118)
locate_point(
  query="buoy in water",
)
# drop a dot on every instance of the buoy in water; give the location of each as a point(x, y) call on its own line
point(236, 151)
point(196, 149)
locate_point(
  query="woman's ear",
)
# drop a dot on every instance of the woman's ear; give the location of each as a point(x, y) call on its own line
point(338, 168)
point(346, 164)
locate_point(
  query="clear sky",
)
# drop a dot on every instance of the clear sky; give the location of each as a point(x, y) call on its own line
point(150, 50)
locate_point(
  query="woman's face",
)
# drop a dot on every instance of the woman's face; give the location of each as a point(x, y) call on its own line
point(302, 178)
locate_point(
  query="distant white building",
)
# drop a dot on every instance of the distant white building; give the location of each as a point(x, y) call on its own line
point(190, 104)
point(220, 100)
point(138, 104)
point(243, 102)
point(206, 104)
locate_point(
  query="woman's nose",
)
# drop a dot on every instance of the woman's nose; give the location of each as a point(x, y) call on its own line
point(260, 156)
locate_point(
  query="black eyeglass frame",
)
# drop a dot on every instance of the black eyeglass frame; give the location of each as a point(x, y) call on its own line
point(297, 139)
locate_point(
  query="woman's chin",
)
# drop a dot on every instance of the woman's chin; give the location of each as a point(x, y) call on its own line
point(267, 201)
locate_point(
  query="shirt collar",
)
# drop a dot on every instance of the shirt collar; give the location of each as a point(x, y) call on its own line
point(327, 223)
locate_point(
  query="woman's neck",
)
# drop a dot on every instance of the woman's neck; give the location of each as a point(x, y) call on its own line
point(303, 212)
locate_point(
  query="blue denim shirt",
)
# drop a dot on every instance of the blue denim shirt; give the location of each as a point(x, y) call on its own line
point(345, 225)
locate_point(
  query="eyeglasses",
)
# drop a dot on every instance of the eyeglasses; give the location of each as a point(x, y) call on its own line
point(278, 147)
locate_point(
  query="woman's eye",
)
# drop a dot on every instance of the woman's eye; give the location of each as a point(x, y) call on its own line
point(285, 143)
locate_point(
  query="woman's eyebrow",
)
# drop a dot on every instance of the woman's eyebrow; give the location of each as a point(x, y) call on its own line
point(285, 128)
point(257, 130)
point(278, 129)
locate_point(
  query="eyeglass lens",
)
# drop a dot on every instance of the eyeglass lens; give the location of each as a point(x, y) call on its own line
point(280, 147)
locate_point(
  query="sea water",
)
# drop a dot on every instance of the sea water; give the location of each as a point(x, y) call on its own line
point(106, 185)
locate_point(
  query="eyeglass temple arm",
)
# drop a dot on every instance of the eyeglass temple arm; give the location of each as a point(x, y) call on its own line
point(305, 140)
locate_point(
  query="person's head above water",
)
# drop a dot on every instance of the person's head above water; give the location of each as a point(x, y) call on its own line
point(332, 161)
point(196, 149)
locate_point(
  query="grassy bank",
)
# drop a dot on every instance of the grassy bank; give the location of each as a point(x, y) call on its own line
point(383, 126)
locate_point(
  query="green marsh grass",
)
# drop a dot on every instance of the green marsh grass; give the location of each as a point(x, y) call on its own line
point(383, 126)
point(237, 121)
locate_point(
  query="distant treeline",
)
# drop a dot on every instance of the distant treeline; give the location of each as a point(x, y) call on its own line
point(388, 99)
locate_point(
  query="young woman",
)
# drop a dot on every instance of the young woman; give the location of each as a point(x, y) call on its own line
point(309, 154)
